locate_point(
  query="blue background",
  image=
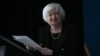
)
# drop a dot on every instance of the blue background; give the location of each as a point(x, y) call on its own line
point(91, 19)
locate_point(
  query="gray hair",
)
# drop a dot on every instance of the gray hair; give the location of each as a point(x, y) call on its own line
point(52, 6)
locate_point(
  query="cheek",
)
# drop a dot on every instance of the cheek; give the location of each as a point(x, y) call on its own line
point(58, 17)
point(49, 18)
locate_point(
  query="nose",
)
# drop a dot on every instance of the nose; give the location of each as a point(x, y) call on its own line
point(53, 17)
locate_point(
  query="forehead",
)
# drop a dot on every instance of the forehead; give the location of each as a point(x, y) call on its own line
point(52, 11)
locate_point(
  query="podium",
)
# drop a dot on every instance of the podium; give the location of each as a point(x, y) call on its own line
point(10, 48)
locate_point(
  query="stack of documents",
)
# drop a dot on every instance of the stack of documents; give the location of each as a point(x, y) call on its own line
point(27, 41)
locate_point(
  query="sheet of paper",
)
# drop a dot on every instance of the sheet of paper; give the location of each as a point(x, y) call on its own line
point(27, 41)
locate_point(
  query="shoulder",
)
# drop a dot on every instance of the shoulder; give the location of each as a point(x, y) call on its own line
point(65, 24)
point(44, 28)
point(68, 26)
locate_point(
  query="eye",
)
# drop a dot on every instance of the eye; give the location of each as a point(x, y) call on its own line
point(56, 13)
point(49, 14)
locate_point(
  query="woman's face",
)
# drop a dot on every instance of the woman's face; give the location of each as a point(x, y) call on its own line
point(53, 17)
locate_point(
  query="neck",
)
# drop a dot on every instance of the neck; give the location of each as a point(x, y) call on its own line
point(56, 28)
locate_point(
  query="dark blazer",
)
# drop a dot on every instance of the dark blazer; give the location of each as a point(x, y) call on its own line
point(70, 42)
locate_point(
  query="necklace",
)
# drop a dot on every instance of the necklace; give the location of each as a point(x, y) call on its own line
point(55, 38)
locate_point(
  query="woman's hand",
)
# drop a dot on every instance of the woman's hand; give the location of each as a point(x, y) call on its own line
point(29, 48)
point(46, 51)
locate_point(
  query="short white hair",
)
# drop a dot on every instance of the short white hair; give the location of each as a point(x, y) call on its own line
point(52, 6)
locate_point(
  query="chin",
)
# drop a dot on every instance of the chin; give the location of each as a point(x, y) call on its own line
point(54, 24)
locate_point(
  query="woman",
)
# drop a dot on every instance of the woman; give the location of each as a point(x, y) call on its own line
point(58, 37)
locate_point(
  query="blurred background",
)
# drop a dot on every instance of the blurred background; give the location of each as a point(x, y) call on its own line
point(91, 22)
